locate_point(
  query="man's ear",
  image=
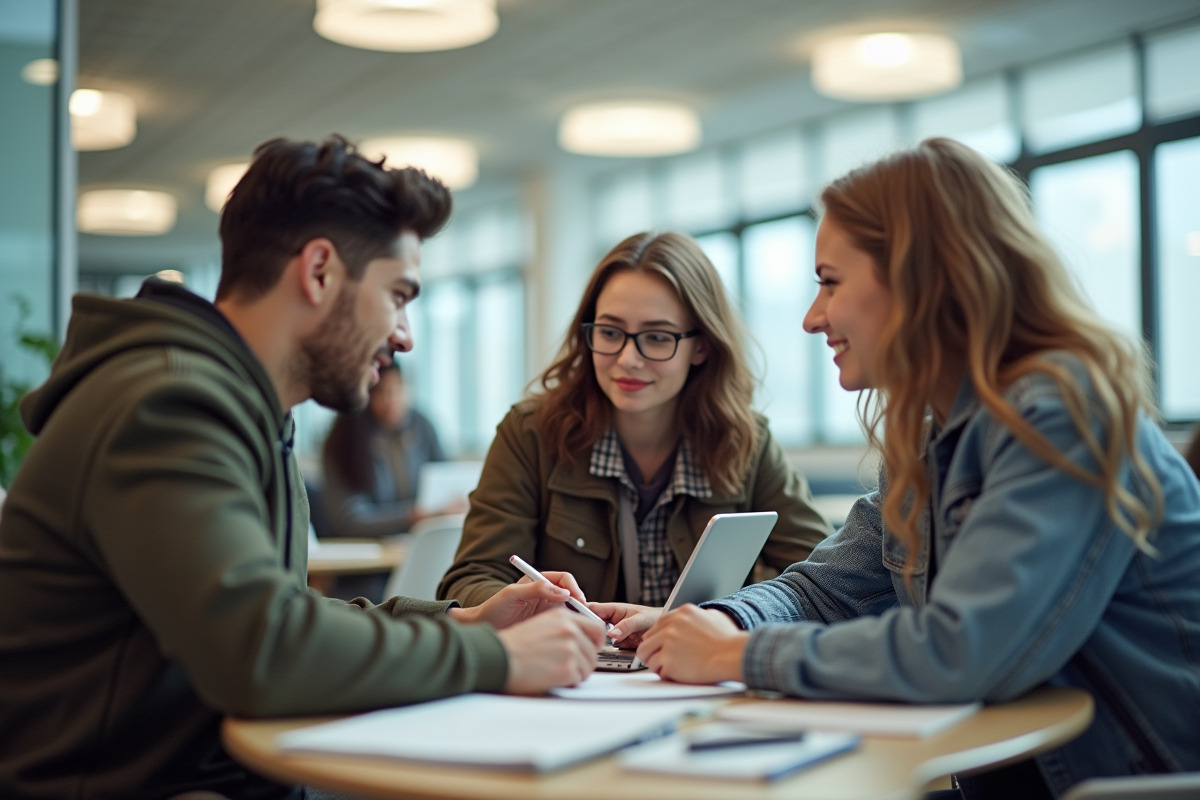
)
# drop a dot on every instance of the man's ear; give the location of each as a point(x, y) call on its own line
point(320, 271)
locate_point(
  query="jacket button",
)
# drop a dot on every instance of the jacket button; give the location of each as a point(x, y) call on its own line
point(579, 542)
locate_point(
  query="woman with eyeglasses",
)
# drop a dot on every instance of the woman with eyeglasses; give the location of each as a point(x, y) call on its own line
point(641, 432)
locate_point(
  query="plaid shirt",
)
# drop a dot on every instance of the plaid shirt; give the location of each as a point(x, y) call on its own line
point(656, 562)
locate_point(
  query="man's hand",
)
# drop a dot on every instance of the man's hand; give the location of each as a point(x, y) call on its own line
point(521, 600)
point(695, 645)
point(557, 648)
point(630, 622)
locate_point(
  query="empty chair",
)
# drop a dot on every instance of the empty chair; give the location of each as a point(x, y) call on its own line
point(431, 547)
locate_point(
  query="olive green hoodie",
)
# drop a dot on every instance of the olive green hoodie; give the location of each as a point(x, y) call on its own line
point(152, 571)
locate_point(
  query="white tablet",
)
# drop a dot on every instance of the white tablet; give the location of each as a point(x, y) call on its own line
point(717, 567)
point(723, 557)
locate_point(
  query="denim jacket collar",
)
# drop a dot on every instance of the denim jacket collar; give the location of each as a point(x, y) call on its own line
point(966, 405)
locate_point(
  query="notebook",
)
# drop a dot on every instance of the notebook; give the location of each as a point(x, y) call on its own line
point(717, 567)
point(500, 732)
point(672, 755)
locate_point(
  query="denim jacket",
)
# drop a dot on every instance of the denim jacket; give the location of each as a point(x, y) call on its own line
point(1034, 586)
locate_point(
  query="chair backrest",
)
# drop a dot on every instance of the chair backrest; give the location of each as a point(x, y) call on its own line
point(430, 552)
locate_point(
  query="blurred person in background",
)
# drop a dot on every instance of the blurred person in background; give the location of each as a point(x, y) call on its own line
point(372, 460)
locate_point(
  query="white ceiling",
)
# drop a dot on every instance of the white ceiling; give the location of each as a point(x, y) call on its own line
point(214, 78)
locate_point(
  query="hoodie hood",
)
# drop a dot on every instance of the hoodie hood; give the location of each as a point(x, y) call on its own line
point(163, 315)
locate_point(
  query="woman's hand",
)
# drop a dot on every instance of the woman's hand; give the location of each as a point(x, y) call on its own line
point(521, 600)
point(695, 645)
point(629, 621)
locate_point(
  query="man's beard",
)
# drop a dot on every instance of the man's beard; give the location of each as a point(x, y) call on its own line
point(331, 359)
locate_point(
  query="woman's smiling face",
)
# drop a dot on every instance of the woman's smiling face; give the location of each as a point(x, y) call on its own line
point(851, 307)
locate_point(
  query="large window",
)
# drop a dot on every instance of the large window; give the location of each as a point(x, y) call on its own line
point(1177, 236)
point(468, 362)
point(468, 359)
point(1089, 210)
point(1080, 99)
point(979, 115)
point(1109, 140)
point(776, 294)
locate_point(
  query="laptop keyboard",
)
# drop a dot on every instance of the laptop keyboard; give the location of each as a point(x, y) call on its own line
point(614, 659)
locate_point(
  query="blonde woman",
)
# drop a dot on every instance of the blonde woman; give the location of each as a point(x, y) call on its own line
point(641, 432)
point(1033, 525)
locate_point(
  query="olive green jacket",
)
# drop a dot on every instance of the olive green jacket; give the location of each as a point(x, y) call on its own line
point(152, 573)
point(558, 516)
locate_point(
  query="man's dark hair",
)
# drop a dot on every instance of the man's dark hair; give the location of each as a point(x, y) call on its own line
point(294, 192)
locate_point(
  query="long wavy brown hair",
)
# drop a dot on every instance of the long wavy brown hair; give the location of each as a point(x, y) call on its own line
point(974, 282)
point(714, 404)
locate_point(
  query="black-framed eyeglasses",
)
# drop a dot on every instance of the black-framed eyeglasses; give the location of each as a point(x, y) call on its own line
point(609, 340)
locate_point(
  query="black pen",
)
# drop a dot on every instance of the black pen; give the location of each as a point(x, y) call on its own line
point(742, 740)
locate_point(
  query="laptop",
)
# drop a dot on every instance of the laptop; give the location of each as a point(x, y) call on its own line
point(442, 484)
point(717, 567)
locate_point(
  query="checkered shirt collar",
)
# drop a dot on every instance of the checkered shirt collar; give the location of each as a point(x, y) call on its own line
point(688, 478)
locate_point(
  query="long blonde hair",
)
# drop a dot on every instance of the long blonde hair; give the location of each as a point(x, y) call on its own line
point(975, 282)
point(714, 405)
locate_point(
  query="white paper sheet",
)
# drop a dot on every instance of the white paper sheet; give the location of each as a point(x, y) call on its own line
point(876, 719)
point(642, 686)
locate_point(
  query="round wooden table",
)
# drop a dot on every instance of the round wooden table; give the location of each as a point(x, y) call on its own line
point(881, 768)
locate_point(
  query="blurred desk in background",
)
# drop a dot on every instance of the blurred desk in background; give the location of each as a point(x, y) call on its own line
point(329, 559)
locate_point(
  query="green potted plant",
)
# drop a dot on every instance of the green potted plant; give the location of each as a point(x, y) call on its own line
point(14, 439)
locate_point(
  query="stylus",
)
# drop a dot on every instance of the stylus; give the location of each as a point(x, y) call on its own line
point(533, 574)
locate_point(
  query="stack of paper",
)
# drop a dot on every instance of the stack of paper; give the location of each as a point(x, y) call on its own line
point(876, 719)
point(483, 730)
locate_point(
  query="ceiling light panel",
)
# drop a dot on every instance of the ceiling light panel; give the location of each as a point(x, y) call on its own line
point(406, 25)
